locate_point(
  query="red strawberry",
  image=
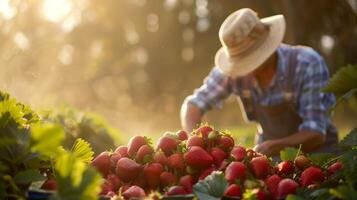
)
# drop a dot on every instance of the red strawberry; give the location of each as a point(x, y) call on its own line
point(114, 181)
point(49, 184)
point(195, 140)
point(198, 157)
point(110, 194)
point(218, 156)
point(175, 161)
point(206, 173)
point(238, 153)
point(144, 154)
point(187, 182)
point(260, 194)
point(160, 157)
point(301, 162)
point(233, 191)
point(140, 181)
point(235, 170)
point(260, 166)
point(226, 143)
point(334, 168)
point(312, 175)
point(176, 190)
point(127, 169)
point(204, 131)
point(102, 163)
point(272, 183)
point(106, 187)
point(122, 150)
point(182, 135)
point(135, 143)
point(167, 179)
point(134, 192)
point(114, 157)
point(251, 153)
point(152, 174)
point(285, 168)
point(286, 186)
point(167, 145)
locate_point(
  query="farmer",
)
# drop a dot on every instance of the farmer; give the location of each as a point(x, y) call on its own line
point(277, 85)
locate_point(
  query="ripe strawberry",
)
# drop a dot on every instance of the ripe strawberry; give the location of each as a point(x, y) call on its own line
point(235, 170)
point(175, 161)
point(114, 181)
point(205, 173)
point(135, 143)
point(144, 154)
point(312, 175)
point(102, 163)
point(251, 153)
point(134, 192)
point(285, 168)
point(49, 184)
point(233, 191)
point(260, 194)
point(226, 143)
point(152, 174)
point(218, 156)
point(167, 179)
point(110, 194)
point(160, 157)
point(182, 135)
point(272, 183)
point(334, 168)
point(122, 150)
point(114, 157)
point(198, 157)
point(195, 140)
point(302, 162)
point(106, 187)
point(167, 144)
point(285, 187)
point(204, 131)
point(238, 153)
point(140, 181)
point(127, 169)
point(260, 166)
point(176, 190)
point(187, 182)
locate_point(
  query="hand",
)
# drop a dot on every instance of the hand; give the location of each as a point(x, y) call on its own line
point(269, 147)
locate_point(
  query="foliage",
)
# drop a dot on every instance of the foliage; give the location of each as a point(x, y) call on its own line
point(212, 187)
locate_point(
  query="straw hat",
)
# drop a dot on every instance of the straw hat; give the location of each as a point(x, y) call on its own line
point(247, 41)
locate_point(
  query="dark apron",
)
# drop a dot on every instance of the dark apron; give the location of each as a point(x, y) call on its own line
point(281, 120)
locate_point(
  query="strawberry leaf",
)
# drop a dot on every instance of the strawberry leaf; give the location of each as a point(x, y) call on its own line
point(350, 140)
point(320, 159)
point(28, 176)
point(293, 197)
point(83, 151)
point(289, 154)
point(344, 192)
point(212, 187)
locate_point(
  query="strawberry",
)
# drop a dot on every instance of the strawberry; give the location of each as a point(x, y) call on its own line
point(195, 140)
point(285, 168)
point(135, 143)
point(260, 194)
point(102, 163)
point(114, 157)
point(198, 157)
point(312, 175)
point(251, 153)
point(302, 162)
point(114, 181)
point(233, 191)
point(204, 131)
point(127, 169)
point(238, 153)
point(49, 184)
point(272, 183)
point(110, 194)
point(182, 135)
point(176, 190)
point(167, 179)
point(134, 192)
point(187, 182)
point(152, 174)
point(140, 181)
point(285, 187)
point(205, 173)
point(144, 154)
point(226, 142)
point(122, 150)
point(218, 156)
point(260, 166)
point(235, 170)
point(160, 157)
point(175, 161)
point(334, 168)
point(167, 145)
point(106, 187)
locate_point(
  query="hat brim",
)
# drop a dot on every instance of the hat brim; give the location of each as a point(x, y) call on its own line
point(250, 62)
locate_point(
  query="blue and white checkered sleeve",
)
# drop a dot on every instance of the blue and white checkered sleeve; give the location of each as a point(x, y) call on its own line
point(314, 103)
point(212, 93)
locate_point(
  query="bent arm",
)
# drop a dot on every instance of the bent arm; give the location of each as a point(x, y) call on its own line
point(191, 115)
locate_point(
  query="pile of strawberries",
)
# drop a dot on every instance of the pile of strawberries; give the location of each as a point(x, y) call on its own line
point(179, 161)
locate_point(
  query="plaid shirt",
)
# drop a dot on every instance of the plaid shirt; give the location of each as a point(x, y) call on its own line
point(310, 75)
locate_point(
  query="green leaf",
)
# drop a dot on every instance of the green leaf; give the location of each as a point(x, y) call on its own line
point(212, 187)
point(320, 159)
point(28, 176)
point(46, 139)
point(344, 192)
point(349, 160)
point(343, 81)
point(350, 140)
point(289, 154)
point(83, 151)
point(293, 197)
